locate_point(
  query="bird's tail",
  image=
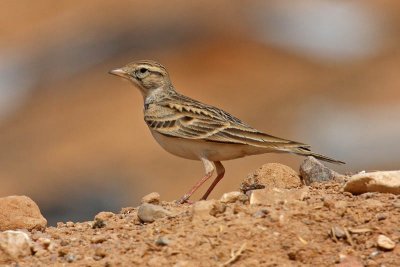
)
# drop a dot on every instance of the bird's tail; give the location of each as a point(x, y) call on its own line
point(305, 151)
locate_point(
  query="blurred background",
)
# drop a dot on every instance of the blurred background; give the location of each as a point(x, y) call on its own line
point(72, 137)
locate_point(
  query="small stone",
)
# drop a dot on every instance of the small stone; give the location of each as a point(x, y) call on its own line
point(162, 241)
point(232, 197)
point(338, 232)
point(311, 170)
point(148, 213)
point(205, 209)
point(277, 196)
point(152, 198)
point(271, 175)
point(262, 213)
point(14, 244)
point(373, 254)
point(20, 212)
point(381, 216)
point(70, 258)
point(69, 224)
point(382, 181)
point(385, 243)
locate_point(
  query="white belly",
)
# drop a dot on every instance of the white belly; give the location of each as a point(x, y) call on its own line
point(196, 149)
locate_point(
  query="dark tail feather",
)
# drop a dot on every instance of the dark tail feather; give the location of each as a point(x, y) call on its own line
point(305, 151)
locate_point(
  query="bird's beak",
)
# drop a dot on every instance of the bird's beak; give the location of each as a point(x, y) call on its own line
point(120, 73)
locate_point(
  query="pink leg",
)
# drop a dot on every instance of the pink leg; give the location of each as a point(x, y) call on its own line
point(220, 175)
point(209, 166)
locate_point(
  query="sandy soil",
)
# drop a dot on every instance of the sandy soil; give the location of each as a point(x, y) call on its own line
point(328, 227)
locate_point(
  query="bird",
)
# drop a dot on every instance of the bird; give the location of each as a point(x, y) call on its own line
point(190, 129)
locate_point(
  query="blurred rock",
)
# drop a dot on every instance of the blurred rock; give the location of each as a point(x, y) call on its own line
point(311, 170)
point(152, 198)
point(232, 197)
point(20, 212)
point(271, 175)
point(149, 213)
point(384, 182)
point(385, 243)
point(277, 196)
point(204, 209)
point(14, 244)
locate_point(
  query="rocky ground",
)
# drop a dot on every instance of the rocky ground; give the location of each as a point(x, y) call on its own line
point(274, 220)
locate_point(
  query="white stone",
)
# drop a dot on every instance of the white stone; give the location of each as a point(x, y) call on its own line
point(385, 242)
point(381, 181)
point(14, 244)
point(149, 212)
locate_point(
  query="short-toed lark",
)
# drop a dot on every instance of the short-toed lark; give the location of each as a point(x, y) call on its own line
point(190, 129)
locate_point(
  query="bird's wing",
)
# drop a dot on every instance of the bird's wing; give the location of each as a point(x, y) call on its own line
point(190, 119)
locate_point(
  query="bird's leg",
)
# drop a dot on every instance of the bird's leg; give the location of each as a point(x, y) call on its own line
point(220, 175)
point(209, 166)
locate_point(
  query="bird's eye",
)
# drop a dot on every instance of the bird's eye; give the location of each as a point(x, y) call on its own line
point(142, 72)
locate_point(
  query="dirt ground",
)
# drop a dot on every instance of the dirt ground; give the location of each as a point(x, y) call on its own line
point(328, 227)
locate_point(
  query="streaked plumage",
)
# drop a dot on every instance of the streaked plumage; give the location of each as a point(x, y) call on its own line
point(190, 129)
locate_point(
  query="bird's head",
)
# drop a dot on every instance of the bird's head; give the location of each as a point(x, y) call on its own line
point(147, 75)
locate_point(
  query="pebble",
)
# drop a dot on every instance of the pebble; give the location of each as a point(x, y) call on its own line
point(311, 170)
point(148, 213)
point(232, 197)
point(14, 244)
point(385, 243)
point(205, 209)
point(162, 241)
point(70, 258)
point(262, 213)
point(20, 212)
point(152, 198)
point(381, 216)
point(338, 232)
point(381, 181)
